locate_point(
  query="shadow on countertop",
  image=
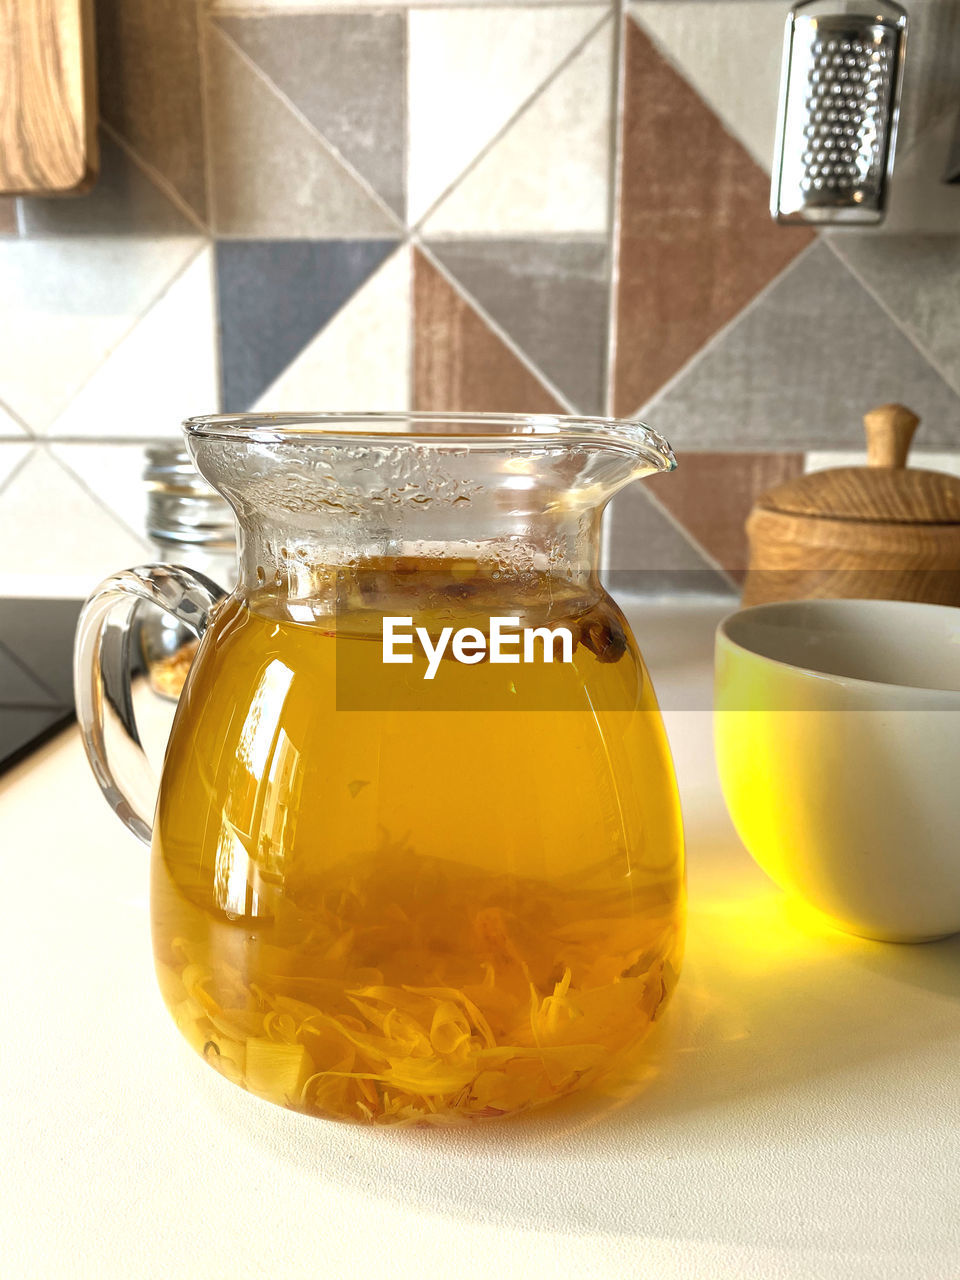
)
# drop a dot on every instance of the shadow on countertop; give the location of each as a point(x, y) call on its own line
point(789, 1051)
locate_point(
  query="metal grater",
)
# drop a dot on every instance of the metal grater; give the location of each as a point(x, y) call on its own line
point(839, 104)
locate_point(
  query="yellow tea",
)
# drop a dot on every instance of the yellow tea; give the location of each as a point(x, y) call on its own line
point(411, 913)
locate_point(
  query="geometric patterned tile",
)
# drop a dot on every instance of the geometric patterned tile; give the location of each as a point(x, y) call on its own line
point(921, 460)
point(9, 426)
point(12, 455)
point(646, 547)
point(164, 370)
point(274, 297)
point(469, 71)
point(800, 368)
point(306, 6)
point(361, 359)
point(730, 53)
point(148, 67)
point(711, 495)
point(550, 296)
point(347, 74)
point(105, 308)
point(550, 169)
point(114, 474)
point(50, 527)
point(951, 170)
point(272, 173)
point(921, 203)
point(459, 362)
point(697, 241)
point(918, 279)
point(123, 201)
point(65, 303)
point(931, 73)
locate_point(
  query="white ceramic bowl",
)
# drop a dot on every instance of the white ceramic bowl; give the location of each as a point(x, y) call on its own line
point(837, 733)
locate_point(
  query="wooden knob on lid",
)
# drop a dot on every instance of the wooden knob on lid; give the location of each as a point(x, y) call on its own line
point(890, 429)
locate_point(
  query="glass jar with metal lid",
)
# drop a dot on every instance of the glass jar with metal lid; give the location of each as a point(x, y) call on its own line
point(189, 523)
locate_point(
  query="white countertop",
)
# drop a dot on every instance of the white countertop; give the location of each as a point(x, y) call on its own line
point(802, 1116)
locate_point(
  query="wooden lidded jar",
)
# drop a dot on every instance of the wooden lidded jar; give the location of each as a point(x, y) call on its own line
point(882, 532)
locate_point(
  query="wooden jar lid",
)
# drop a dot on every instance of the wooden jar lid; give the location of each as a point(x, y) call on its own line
point(885, 491)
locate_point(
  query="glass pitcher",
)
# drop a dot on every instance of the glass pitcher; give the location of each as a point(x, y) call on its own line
point(417, 851)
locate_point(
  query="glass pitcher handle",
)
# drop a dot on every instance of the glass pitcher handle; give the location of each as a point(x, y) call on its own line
point(101, 676)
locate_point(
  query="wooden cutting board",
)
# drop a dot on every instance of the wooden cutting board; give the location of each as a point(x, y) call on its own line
point(48, 116)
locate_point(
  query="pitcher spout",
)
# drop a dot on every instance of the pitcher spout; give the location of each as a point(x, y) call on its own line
point(315, 489)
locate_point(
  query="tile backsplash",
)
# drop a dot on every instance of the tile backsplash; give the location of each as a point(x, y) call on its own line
point(555, 207)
